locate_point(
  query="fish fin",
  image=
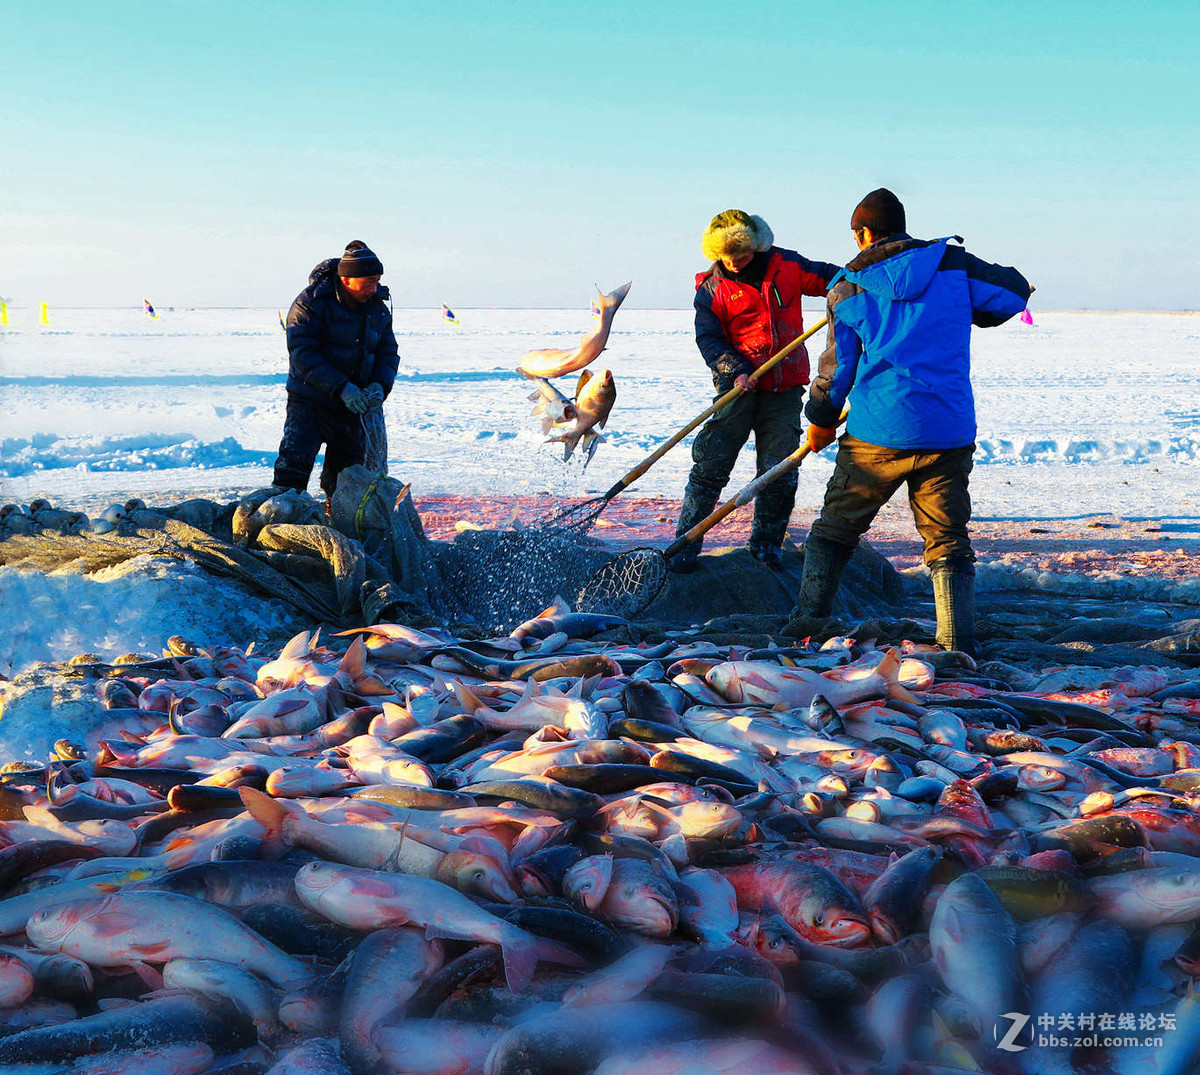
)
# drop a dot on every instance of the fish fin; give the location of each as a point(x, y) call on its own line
point(568, 447)
point(270, 813)
point(591, 441)
point(297, 646)
point(547, 425)
point(584, 377)
point(354, 663)
point(152, 979)
point(110, 923)
point(557, 606)
point(467, 698)
point(889, 669)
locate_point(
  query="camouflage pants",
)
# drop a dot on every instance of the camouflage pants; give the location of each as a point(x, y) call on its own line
point(867, 476)
point(774, 419)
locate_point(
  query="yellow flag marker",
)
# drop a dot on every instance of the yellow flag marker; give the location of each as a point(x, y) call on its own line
point(3, 313)
point(45, 318)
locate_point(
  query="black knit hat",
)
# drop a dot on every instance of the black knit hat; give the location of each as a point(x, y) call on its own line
point(359, 260)
point(881, 211)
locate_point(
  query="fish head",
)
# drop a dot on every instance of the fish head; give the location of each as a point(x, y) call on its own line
point(773, 939)
point(587, 881)
point(642, 907)
point(50, 926)
point(314, 880)
point(839, 927)
point(711, 819)
point(475, 873)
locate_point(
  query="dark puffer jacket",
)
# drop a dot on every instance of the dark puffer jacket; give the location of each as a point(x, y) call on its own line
point(331, 341)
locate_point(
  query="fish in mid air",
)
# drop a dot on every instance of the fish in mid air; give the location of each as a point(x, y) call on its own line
point(555, 361)
point(594, 399)
point(552, 405)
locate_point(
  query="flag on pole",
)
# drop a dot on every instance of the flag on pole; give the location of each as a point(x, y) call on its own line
point(3, 313)
point(1026, 316)
point(448, 315)
point(45, 315)
point(282, 323)
point(149, 309)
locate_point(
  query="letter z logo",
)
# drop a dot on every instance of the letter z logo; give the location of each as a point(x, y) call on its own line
point(1009, 1042)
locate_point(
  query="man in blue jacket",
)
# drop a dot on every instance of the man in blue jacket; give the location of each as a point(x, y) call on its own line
point(898, 350)
point(342, 363)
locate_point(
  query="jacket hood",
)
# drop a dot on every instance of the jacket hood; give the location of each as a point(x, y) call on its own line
point(323, 278)
point(899, 267)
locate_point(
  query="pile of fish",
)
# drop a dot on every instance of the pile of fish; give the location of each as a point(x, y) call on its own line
point(575, 422)
point(551, 852)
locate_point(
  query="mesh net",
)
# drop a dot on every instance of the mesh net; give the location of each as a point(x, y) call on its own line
point(566, 519)
point(625, 586)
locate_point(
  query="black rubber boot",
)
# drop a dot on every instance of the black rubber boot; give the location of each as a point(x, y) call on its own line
point(697, 505)
point(824, 562)
point(954, 600)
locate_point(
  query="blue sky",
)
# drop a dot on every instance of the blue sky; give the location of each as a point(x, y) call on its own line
point(513, 154)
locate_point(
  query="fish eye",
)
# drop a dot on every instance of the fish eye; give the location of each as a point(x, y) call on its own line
point(477, 873)
point(818, 920)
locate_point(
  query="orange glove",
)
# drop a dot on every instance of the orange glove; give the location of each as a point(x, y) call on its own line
point(820, 437)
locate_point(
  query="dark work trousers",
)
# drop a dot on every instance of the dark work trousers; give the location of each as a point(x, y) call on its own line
point(774, 419)
point(309, 425)
point(866, 477)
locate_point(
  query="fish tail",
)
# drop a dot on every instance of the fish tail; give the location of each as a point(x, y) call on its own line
point(614, 298)
point(521, 958)
point(270, 813)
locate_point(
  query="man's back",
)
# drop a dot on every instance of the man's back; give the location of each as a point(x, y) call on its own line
point(902, 315)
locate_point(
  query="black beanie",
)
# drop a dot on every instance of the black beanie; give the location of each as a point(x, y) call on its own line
point(359, 260)
point(881, 211)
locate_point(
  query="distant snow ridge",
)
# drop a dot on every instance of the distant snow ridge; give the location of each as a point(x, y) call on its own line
point(1169, 449)
point(148, 451)
point(994, 575)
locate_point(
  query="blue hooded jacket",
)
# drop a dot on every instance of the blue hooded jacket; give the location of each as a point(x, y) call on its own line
point(899, 342)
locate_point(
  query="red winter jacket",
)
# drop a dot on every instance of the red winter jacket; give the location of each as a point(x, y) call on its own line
point(746, 325)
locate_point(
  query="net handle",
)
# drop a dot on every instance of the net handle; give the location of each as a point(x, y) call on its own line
point(722, 401)
point(746, 494)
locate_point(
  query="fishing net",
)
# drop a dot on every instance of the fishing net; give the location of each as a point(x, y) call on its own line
point(625, 586)
point(502, 577)
point(569, 519)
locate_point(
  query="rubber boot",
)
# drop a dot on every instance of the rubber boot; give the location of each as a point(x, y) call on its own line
point(696, 506)
point(824, 562)
point(954, 601)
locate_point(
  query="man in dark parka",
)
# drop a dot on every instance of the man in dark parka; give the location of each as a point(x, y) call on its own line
point(342, 363)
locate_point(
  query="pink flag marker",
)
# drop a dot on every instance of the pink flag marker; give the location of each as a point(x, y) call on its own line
point(1026, 316)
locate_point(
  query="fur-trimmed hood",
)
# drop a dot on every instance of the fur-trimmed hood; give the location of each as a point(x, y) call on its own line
point(735, 232)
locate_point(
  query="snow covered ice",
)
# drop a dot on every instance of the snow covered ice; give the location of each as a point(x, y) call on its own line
point(1082, 414)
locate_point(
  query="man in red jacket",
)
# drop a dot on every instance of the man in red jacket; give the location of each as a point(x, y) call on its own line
point(748, 307)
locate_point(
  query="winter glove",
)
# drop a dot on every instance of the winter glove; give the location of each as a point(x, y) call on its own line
point(355, 398)
point(820, 437)
point(374, 394)
point(727, 369)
